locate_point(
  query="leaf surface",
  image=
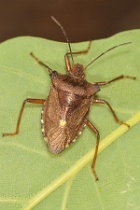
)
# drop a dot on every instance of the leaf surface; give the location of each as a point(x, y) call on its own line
point(27, 167)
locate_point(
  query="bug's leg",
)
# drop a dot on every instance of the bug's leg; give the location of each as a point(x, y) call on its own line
point(92, 127)
point(41, 63)
point(67, 61)
point(28, 100)
point(100, 101)
point(115, 79)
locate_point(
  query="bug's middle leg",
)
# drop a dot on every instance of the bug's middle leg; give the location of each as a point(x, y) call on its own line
point(27, 100)
point(100, 101)
point(92, 127)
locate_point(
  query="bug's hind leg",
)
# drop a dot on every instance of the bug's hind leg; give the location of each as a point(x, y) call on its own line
point(92, 127)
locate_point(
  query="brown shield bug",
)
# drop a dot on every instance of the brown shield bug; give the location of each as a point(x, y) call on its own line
point(65, 111)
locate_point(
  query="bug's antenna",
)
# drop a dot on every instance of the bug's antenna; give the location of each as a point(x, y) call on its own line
point(65, 34)
point(106, 52)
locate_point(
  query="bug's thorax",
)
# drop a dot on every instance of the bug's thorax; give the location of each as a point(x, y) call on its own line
point(74, 83)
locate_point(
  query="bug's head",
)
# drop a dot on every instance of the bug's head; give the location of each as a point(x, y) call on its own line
point(77, 71)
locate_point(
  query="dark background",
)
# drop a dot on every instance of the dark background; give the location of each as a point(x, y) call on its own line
point(82, 19)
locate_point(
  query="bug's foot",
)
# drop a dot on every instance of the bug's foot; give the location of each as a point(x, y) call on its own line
point(126, 124)
point(129, 77)
point(95, 175)
point(9, 134)
point(123, 123)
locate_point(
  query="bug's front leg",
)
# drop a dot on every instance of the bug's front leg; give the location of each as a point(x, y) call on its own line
point(28, 100)
point(92, 127)
point(67, 61)
point(116, 79)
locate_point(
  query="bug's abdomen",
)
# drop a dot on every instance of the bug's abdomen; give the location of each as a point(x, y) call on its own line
point(62, 124)
point(59, 133)
point(56, 138)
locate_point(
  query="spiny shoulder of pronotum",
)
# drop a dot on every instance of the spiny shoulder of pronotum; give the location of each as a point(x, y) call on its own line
point(68, 83)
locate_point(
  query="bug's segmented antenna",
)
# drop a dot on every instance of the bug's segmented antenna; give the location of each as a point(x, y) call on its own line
point(65, 34)
point(106, 52)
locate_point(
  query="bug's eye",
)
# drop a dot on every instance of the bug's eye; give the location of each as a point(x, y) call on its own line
point(54, 74)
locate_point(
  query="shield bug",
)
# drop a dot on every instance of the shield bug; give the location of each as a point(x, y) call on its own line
point(65, 111)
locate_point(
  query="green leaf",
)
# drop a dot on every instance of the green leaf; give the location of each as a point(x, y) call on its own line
point(29, 172)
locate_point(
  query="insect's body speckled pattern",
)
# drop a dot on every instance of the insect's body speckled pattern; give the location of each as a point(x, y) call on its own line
point(42, 123)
